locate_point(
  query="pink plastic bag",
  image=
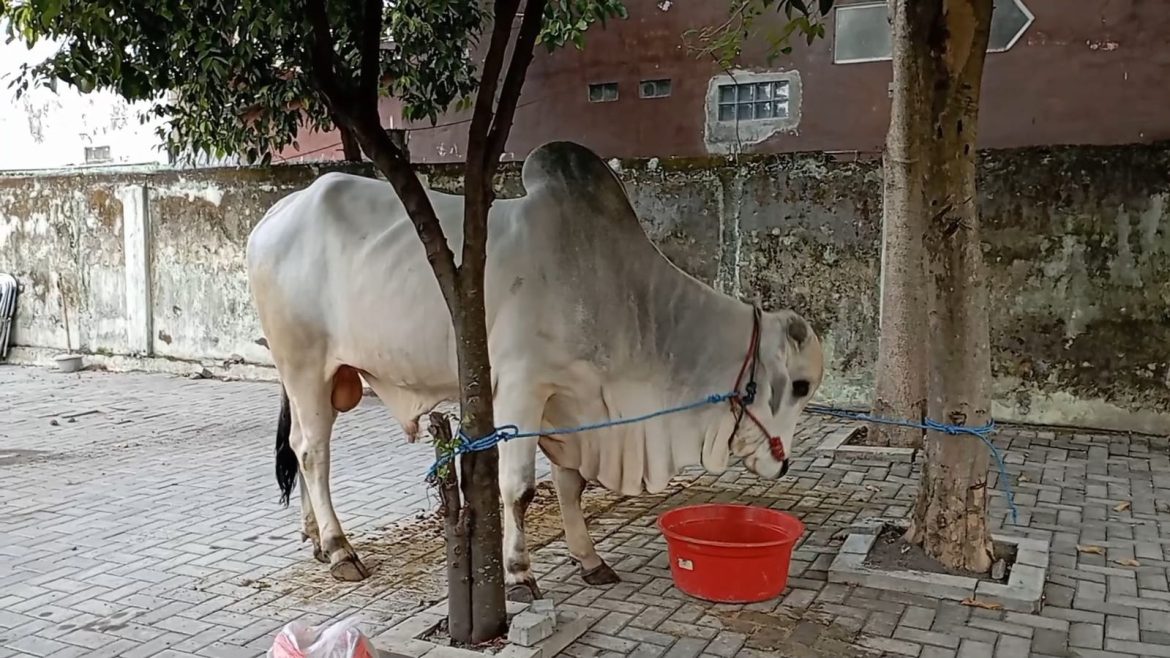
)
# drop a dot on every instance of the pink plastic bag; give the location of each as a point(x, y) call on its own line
point(339, 640)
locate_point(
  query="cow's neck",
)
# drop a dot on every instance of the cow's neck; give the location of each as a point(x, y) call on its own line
point(702, 336)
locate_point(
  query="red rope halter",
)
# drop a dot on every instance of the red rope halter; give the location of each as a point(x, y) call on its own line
point(741, 401)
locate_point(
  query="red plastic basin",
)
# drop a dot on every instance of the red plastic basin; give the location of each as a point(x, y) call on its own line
point(730, 553)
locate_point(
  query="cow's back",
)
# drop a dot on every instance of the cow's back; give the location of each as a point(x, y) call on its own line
point(571, 276)
point(338, 272)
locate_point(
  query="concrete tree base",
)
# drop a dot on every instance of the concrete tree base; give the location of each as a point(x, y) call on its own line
point(1024, 591)
point(407, 638)
point(835, 446)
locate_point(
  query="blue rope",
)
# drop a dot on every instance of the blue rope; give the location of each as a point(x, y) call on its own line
point(982, 432)
point(467, 444)
point(509, 432)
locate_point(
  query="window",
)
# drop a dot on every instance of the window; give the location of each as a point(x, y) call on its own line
point(655, 88)
point(603, 92)
point(861, 32)
point(95, 154)
point(748, 107)
point(753, 101)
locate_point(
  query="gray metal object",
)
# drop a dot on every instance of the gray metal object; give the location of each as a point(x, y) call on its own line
point(9, 289)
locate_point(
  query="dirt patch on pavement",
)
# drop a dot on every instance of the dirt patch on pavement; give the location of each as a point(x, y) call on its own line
point(794, 633)
point(407, 559)
point(890, 553)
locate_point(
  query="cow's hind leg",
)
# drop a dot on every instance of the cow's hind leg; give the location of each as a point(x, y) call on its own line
point(309, 528)
point(288, 472)
point(313, 404)
point(594, 570)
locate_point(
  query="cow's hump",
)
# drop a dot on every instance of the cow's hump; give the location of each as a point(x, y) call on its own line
point(578, 177)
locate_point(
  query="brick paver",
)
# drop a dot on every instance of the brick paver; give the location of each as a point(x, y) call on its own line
point(140, 519)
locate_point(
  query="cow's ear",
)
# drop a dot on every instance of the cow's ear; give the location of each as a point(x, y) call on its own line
point(798, 330)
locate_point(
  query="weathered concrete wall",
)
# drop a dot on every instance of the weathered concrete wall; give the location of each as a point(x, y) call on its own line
point(71, 239)
point(1077, 243)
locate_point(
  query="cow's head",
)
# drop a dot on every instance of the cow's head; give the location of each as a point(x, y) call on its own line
point(789, 372)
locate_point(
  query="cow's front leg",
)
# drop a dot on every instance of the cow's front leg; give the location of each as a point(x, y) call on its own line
point(594, 570)
point(518, 487)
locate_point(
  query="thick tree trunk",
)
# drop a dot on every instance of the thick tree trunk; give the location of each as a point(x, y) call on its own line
point(950, 515)
point(900, 381)
point(455, 533)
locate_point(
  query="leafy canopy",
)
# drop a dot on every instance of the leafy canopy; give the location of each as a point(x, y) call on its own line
point(229, 76)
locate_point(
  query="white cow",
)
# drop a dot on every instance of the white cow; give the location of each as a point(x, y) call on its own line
point(587, 321)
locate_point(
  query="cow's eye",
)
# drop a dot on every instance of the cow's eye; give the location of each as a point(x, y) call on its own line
point(800, 388)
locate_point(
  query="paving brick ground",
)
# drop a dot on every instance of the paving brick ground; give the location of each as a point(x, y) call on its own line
point(139, 518)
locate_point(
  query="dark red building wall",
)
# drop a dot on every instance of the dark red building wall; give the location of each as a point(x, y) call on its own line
point(1085, 72)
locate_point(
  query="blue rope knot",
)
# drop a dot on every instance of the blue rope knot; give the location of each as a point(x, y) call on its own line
point(980, 431)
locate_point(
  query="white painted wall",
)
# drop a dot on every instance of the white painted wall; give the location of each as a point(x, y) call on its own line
point(49, 130)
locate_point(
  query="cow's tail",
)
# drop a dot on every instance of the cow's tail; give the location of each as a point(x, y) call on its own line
point(286, 457)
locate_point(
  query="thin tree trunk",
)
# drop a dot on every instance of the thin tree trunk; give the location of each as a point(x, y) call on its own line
point(455, 531)
point(462, 286)
point(950, 515)
point(491, 123)
point(900, 381)
point(349, 143)
point(481, 487)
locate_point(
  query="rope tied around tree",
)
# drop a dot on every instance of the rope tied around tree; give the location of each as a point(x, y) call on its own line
point(466, 444)
point(981, 432)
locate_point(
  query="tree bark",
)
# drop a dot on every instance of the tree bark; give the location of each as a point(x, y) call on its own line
point(950, 515)
point(481, 487)
point(455, 533)
point(900, 379)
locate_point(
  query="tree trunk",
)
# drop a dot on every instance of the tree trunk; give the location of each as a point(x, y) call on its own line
point(349, 143)
point(950, 515)
point(485, 617)
point(900, 381)
point(481, 487)
point(455, 532)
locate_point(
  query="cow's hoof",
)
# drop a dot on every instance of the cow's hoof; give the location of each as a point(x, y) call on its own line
point(320, 555)
point(524, 592)
point(350, 570)
point(600, 575)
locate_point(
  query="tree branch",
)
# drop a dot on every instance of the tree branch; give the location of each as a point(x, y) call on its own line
point(349, 143)
point(513, 83)
point(370, 48)
point(322, 62)
point(485, 98)
point(390, 160)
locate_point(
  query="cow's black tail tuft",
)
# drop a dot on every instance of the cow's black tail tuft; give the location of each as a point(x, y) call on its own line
point(286, 457)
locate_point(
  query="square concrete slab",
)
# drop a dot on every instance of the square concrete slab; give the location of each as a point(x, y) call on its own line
point(836, 446)
point(408, 637)
point(1024, 591)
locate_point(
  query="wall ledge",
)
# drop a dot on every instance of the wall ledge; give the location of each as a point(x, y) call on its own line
point(44, 357)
